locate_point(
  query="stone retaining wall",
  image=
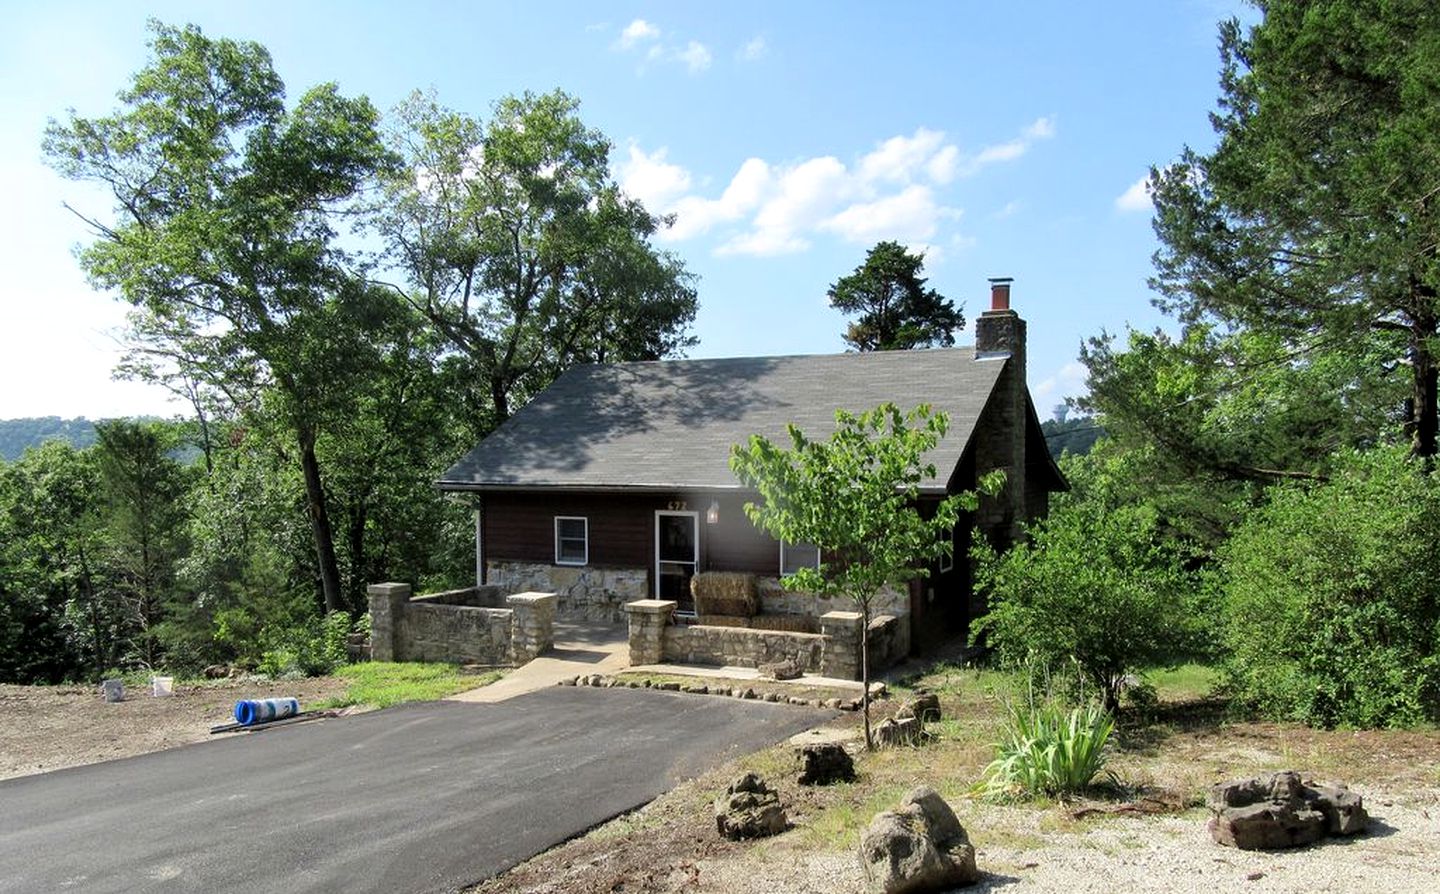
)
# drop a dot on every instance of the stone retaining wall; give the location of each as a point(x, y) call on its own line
point(834, 652)
point(443, 627)
point(776, 600)
point(740, 646)
point(585, 593)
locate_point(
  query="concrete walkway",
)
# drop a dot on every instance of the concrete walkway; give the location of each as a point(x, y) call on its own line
point(581, 647)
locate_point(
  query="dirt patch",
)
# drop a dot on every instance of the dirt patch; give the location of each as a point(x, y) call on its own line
point(49, 727)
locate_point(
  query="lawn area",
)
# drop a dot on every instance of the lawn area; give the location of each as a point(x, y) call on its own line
point(380, 684)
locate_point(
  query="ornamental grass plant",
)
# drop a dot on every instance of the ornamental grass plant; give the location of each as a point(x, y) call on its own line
point(1048, 749)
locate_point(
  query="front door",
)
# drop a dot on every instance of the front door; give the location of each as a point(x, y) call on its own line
point(677, 551)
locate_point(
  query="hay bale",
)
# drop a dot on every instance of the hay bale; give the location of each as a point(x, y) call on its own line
point(786, 623)
point(724, 620)
point(725, 593)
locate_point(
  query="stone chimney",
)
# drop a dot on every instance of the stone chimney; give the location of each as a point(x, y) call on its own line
point(1001, 432)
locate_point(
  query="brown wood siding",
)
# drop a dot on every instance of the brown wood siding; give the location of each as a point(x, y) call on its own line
point(735, 544)
point(521, 527)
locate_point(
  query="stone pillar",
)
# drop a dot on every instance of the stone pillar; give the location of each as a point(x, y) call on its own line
point(387, 610)
point(840, 655)
point(648, 619)
point(532, 625)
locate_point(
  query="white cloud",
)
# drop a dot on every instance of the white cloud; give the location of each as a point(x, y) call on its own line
point(695, 56)
point(1011, 208)
point(1067, 381)
point(1136, 197)
point(635, 33)
point(899, 158)
point(695, 215)
point(1039, 129)
point(894, 191)
point(910, 215)
point(651, 179)
point(754, 48)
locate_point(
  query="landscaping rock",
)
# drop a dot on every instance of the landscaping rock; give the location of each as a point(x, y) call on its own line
point(825, 763)
point(789, 669)
point(1282, 811)
point(896, 731)
point(919, 847)
point(925, 706)
point(749, 809)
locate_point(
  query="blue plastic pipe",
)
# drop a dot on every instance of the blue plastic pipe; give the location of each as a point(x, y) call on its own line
point(251, 711)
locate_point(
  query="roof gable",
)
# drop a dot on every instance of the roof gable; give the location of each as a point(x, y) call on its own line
point(670, 424)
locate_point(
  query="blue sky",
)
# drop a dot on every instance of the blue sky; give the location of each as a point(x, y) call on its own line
point(1004, 139)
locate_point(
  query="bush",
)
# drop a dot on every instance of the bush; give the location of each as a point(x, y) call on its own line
point(1332, 598)
point(1096, 586)
point(1049, 750)
point(311, 649)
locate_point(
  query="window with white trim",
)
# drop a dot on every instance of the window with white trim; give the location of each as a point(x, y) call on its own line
point(572, 540)
point(794, 556)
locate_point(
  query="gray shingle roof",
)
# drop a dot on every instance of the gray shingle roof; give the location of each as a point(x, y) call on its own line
point(670, 424)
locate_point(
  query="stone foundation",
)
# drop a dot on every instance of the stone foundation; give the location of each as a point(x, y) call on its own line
point(584, 593)
point(447, 627)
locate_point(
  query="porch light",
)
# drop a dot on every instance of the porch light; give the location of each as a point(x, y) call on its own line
point(712, 515)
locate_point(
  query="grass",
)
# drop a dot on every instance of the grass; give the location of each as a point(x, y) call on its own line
point(380, 684)
point(1186, 683)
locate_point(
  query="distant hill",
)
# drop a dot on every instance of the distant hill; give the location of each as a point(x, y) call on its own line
point(18, 434)
point(1074, 435)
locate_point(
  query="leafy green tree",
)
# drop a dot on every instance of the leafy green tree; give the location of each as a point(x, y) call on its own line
point(1210, 418)
point(54, 619)
point(519, 247)
point(1095, 585)
point(1332, 615)
point(143, 493)
point(1315, 217)
point(897, 312)
point(854, 497)
point(224, 234)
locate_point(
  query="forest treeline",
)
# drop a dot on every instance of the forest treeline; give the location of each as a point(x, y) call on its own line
point(328, 385)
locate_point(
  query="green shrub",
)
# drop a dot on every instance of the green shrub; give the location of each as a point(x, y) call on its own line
point(1094, 586)
point(1332, 598)
point(1049, 750)
point(309, 649)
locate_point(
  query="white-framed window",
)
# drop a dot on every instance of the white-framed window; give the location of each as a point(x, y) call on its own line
point(947, 559)
point(794, 556)
point(572, 540)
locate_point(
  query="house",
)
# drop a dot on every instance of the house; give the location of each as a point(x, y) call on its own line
point(614, 484)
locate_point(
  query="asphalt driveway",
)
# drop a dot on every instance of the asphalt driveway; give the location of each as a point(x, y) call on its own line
point(427, 797)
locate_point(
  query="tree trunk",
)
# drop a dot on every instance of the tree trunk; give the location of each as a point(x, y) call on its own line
point(1423, 423)
point(320, 523)
point(865, 670)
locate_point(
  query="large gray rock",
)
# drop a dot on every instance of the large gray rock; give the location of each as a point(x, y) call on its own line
point(917, 848)
point(825, 763)
point(749, 809)
point(896, 731)
point(1282, 811)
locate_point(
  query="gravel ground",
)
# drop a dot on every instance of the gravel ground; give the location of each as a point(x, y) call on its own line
point(45, 728)
point(1019, 852)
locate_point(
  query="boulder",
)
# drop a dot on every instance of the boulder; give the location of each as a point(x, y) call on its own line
point(789, 669)
point(825, 763)
point(898, 731)
point(749, 809)
point(1282, 811)
point(919, 847)
point(925, 706)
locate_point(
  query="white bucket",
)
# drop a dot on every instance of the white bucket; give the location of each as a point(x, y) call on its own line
point(113, 690)
point(164, 687)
